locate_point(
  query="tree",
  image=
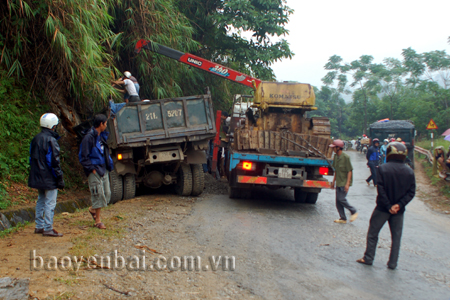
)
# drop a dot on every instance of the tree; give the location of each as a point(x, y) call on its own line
point(366, 78)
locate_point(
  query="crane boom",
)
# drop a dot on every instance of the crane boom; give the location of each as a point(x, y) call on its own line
point(199, 63)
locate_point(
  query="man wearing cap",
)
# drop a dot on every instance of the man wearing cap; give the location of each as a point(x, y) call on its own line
point(396, 188)
point(343, 179)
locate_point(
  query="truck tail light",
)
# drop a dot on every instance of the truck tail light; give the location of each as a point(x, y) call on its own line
point(246, 165)
point(119, 156)
point(324, 170)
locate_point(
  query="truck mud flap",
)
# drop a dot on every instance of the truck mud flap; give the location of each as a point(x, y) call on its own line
point(283, 182)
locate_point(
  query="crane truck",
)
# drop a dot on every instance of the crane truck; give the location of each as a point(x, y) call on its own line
point(272, 141)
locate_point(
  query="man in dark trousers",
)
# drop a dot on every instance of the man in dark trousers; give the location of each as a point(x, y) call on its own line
point(343, 179)
point(396, 188)
point(96, 161)
point(45, 173)
point(373, 158)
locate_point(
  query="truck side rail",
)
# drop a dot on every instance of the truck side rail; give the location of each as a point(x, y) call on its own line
point(178, 119)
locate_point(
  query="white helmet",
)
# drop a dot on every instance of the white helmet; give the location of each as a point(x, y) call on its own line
point(49, 120)
point(127, 74)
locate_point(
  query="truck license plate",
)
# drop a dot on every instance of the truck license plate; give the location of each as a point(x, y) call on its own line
point(285, 173)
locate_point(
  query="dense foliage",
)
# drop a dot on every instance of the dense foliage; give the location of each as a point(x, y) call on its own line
point(415, 88)
point(61, 55)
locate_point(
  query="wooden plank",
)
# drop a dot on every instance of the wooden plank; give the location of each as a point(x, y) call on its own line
point(260, 139)
point(298, 141)
point(266, 139)
point(277, 142)
point(272, 140)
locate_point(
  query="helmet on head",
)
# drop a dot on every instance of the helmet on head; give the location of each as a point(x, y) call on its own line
point(398, 139)
point(127, 74)
point(386, 141)
point(337, 143)
point(49, 120)
point(396, 150)
point(392, 140)
point(375, 140)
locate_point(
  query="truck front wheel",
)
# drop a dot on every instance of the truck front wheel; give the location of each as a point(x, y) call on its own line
point(198, 179)
point(129, 186)
point(116, 185)
point(184, 180)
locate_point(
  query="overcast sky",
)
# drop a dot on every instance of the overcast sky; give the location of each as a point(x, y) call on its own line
point(351, 28)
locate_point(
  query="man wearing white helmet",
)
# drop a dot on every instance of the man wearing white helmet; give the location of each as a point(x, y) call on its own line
point(131, 87)
point(45, 173)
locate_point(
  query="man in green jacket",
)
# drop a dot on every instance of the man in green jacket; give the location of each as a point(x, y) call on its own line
point(343, 178)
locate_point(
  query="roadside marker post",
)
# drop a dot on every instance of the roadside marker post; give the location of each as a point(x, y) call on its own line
point(431, 126)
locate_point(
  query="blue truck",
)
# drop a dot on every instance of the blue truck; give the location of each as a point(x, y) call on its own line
point(278, 147)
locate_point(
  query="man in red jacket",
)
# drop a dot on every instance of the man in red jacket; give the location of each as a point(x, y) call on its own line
point(396, 188)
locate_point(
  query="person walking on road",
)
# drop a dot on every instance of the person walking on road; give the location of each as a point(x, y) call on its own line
point(396, 188)
point(45, 173)
point(343, 179)
point(383, 150)
point(373, 158)
point(97, 163)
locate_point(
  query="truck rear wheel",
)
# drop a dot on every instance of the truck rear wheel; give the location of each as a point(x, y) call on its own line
point(311, 198)
point(116, 185)
point(198, 179)
point(300, 196)
point(184, 180)
point(129, 186)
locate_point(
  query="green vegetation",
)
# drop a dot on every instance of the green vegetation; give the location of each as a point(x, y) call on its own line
point(415, 88)
point(426, 143)
point(19, 227)
point(61, 56)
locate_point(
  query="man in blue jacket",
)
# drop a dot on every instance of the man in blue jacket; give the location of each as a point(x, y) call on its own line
point(373, 158)
point(97, 163)
point(45, 173)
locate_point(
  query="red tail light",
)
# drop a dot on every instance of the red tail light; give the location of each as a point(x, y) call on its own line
point(247, 165)
point(323, 170)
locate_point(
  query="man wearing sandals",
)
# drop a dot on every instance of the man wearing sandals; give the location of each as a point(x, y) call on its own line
point(343, 178)
point(396, 188)
point(96, 161)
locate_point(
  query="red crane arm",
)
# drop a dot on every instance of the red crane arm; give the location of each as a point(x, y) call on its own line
point(199, 63)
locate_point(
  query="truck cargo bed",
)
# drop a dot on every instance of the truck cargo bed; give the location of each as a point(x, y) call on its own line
point(164, 121)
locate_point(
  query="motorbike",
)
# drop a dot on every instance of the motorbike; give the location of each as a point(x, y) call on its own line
point(365, 148)
point(358, 146)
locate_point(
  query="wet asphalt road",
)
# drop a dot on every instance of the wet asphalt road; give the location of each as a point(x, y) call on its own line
point(286, 250)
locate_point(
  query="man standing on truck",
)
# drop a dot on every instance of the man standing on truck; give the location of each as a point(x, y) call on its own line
point(45, 173)
point(373, 158)
point(396, 188)
point(343, 179)
point(127, 75)
point(130, 88)
point(96, 161)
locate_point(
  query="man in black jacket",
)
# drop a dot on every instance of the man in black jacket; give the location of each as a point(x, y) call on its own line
point(396, 188)
point(97, 163)
point(45, 173)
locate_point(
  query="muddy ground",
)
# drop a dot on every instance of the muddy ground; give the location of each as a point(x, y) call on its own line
point(147, 222)
point(169, 226)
